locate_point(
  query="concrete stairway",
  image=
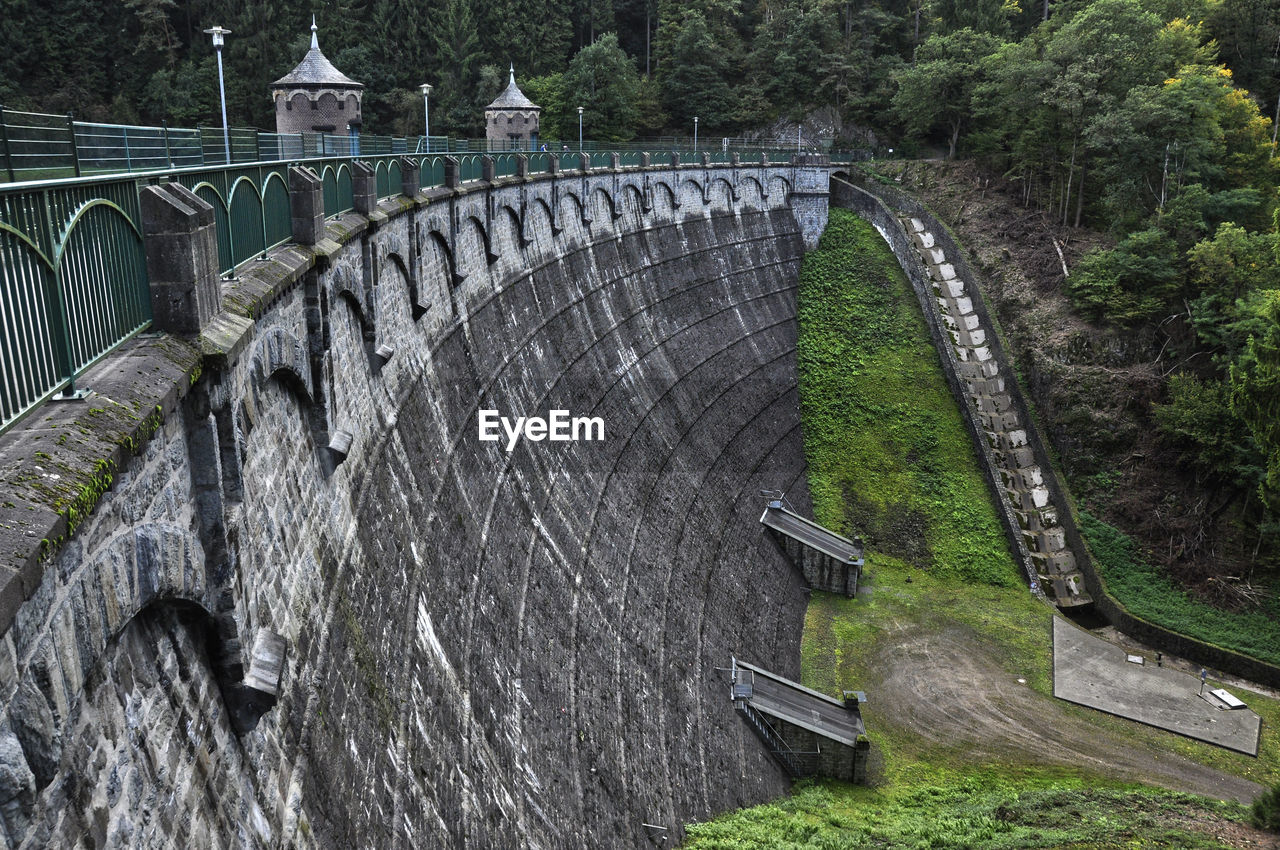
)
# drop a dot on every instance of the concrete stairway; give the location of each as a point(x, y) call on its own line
point(1020, 474)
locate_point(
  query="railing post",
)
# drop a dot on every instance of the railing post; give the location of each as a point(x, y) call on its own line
point(182, 258)
point(128, 160)
point(168, 152)
point(4, 137)
point(452, 172)
point(522, 166)
point(645, 159)
point(257, 143)
point(59, 321)
point(615, 161)
point(488, 168)
point(75, 150)
point(364, 188)
point(410, 177)
point(584, 161)
point(306, 205)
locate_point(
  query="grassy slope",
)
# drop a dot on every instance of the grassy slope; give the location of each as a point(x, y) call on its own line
point(1149, 593)
point(887, 450)
point(880, 422)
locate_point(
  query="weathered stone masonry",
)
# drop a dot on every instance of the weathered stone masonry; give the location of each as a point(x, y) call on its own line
point(479, 649)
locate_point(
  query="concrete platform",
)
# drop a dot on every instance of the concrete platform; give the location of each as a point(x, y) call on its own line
point(1090, 671)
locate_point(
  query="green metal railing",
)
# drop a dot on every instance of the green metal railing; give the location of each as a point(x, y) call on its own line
point(36, 146)
point(72, 263)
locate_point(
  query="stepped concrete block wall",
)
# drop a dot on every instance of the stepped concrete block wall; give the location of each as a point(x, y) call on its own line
point(1019, 473)
point(466, 646)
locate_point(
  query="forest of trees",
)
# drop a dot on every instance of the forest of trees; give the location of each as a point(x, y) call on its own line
point(1145, 121)
point(1148, 121)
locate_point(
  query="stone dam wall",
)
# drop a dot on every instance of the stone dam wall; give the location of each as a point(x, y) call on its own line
point(481, 648)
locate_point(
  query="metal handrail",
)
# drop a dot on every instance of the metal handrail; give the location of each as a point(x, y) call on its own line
point(73, 269)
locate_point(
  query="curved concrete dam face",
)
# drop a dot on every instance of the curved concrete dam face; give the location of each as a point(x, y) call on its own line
point(481, 647)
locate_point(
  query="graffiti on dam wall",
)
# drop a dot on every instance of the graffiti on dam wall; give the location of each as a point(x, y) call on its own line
point(461, 630)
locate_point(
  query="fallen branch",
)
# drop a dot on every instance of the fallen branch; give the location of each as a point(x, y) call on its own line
point(1062, 259)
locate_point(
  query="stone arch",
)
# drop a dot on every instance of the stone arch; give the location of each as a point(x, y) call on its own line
point(510, 220)
point(345, 283)
point(721, 194)
point(751, 192)
point(631, 205)
point(396, 262)
point(841, 175)
point(348, 296)
point(692, 193)
point(781, 186)
point(539, 211)
point(603, 207)
point(474, 223)
point(436, 246)
point(572, 218)
point(664, 197)
point(583, 206)
point(280, 355)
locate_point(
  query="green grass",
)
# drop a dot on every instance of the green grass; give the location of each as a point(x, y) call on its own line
point(978, 812)
point(884, 439)
point(889, 458)
point(1150, 594)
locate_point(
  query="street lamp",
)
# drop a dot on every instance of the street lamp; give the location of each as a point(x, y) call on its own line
point(218, 32)
point(695, 134)
point(425, 88)
point(579, 129)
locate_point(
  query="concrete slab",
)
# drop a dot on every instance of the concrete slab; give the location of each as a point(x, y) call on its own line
point(1090, 671)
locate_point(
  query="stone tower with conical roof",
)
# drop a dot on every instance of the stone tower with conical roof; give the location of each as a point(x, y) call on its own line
point(511, 121)
point(316, 97)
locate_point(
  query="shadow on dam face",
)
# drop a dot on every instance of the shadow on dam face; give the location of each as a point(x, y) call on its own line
point(487, 648)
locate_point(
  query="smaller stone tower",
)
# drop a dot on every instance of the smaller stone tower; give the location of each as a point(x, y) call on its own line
point(316, 97)
point(511, 121)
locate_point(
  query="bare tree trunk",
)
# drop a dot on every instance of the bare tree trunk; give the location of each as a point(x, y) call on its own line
point(1046, 10)
point(647, 15)
point(1071, 172)
point(955, 136)
point(1080, 196)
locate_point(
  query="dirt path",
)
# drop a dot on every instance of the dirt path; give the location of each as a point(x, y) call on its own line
point(948, 689)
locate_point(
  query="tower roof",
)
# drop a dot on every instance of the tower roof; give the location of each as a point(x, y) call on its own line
point(512, 97)
point(315, 70)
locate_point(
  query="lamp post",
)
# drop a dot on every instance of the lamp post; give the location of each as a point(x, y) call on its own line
point(425, 88)
point(579, 129)
point(218, 32)
point(695, 134)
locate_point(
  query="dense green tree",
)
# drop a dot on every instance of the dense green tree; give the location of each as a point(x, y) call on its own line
point(937, 91)
point(1214, 441)
point(1255, 388)
point(603, 80)
point(694, 77)
point(548, 92)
